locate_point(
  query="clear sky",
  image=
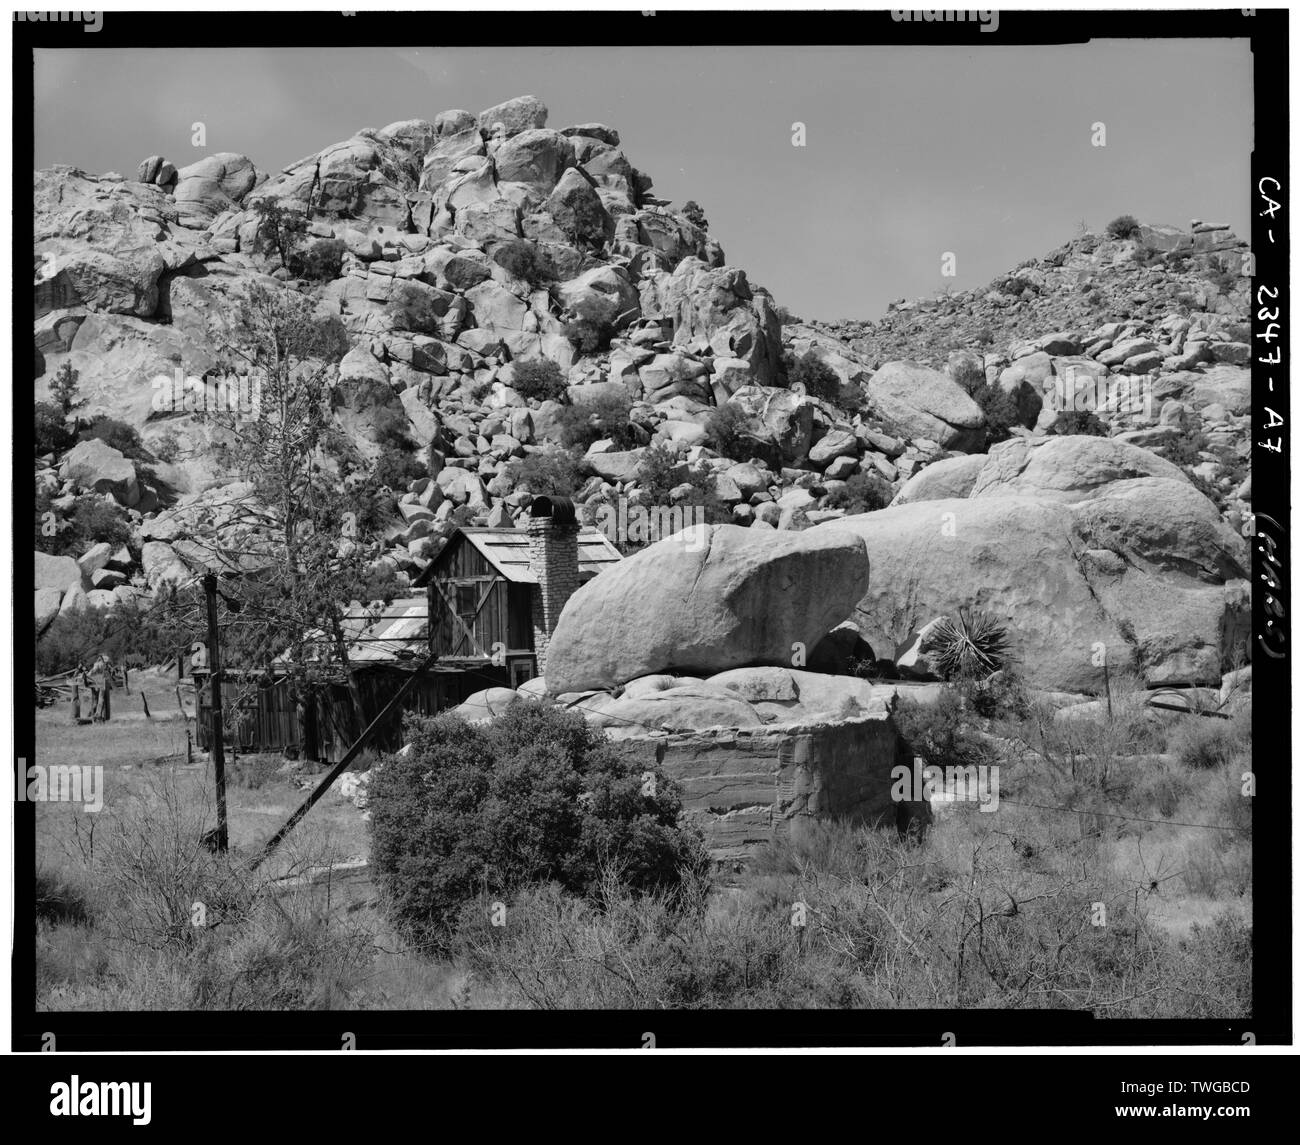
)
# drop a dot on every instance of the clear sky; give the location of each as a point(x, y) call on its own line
point(911, 152)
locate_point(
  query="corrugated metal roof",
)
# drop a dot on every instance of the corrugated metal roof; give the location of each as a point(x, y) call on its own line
point(402, 625)
point(506, 550)
point(376, 632)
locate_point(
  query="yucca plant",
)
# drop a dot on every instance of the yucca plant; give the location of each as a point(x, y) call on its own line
point(972, 647)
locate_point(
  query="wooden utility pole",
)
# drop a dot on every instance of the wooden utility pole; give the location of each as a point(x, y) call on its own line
point(214, 680)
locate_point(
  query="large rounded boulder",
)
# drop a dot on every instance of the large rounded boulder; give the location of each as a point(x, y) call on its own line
point(1142, 576)
point(917, 402)
point(709, 598)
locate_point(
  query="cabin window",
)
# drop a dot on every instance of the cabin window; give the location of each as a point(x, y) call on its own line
point(466, 599)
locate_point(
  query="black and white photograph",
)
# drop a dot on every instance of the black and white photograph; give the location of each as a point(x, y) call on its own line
point(741, 522)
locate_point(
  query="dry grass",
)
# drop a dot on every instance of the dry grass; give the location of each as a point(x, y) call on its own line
point(1142, 815)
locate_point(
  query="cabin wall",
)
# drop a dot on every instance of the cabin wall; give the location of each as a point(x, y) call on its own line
point(505, 617)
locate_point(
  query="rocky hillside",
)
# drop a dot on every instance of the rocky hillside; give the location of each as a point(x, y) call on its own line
point(466, 254)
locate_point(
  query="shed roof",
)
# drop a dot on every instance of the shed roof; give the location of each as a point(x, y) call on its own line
point(506, 550)
point(376, 633)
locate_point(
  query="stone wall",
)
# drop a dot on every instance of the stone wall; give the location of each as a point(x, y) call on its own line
point(747, 787)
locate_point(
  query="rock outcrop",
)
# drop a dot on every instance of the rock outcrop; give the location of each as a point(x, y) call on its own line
point(710, 598)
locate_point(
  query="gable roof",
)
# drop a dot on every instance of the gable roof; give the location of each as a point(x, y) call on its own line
point(506, 550)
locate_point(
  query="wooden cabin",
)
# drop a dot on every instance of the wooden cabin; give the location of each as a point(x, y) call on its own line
point(490, 603)
point(494, 595)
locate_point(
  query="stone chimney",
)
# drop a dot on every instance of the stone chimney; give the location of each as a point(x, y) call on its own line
point(553, 556)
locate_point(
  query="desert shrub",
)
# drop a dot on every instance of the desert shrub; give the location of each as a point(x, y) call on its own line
point(410, 308)
point(1080, 422)
point(1186, 450)
point(939, 732)
point(93, 519)
point(392, 429)
point(661, 471)
point(520, 258)
point(606, 417)
point(813, 374)
point(59, 900)
point(1001, 411)
point(253, 772)
point(732, 431)
point(320, 262)
point(1202, 743)
point(862, 493)
point(972, 647)
point(122, 437)
point(1001, 696)
point(397, 468)
point(694, 214)
point(967, 371)
point(537, 795)
point(589, 336)
point(983, 336)
point(52, 432)
point(126, 633)
point(540, 378)
point(554, 472)
point(1123, 227)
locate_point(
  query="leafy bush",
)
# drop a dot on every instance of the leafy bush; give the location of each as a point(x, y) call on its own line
point(411, 308)
point(983, 336)
point(537, 795)
point(1001, 696)
point(1001, 411)
point(938, 733)
point(605, 417)
point(1123, 227)
point(694, 214)
point(972, 647)
point(51, 429)
point(540, 378)
point(1083, 422)
point(93, 519)
point(862, 493)
point(589, 336)
point(397, 468)
point(520, 258)
point(1186, 450)
point(392, 429)
point(122, 437)
point(967, 370)
point(732, 431)
point(554, 472)
point(814, 375)
point(126, 633)
point(1201, 743)
point(320, 262)
point(660, 472)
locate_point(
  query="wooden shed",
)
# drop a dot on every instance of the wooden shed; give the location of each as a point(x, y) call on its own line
point(494, 594)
